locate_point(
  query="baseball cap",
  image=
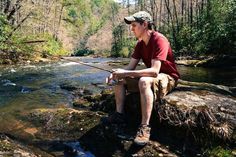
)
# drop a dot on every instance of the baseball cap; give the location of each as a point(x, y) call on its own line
point(139, 16)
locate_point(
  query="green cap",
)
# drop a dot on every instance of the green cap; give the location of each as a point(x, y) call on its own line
point(139, 16)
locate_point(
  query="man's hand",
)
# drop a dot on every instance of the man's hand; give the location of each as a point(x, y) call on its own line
point(117, 75)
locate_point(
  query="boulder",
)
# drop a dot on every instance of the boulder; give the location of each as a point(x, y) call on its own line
point(199, 107)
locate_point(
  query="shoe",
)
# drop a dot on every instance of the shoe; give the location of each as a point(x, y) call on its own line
point(143, 135)
point(115, 118)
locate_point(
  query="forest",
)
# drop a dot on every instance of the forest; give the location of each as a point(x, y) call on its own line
point(30, 28)
point(44, 28)
point(194, 27)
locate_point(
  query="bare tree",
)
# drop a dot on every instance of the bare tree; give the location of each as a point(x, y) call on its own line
point(160, 14)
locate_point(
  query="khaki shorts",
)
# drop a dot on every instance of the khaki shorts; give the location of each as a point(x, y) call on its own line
point(162, 85)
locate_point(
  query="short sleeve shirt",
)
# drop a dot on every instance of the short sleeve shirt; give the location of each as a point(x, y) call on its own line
point(158, 48)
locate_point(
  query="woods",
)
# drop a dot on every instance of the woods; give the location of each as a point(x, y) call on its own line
point(64, 25)
point(194, 27)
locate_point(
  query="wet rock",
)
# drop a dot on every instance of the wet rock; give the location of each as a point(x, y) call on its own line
point(9, 147)
point(106, 102)
point(187, 62)
point(62, 123)
point(81, 103)
point(7, 61)
point(68, 87)
point(93, 98)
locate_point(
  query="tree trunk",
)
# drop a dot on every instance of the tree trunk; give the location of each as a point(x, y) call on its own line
point(160, 16)
point(191, 13)
point(172, 22)
point(176, 16)
point(182, 12)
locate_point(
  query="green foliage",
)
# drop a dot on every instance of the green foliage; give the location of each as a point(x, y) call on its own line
point(4, 31)
point(52, 47)
point(218, 27)
point(219, 152)
point(122, 45)
point(85, 18)
point(83, 52)
point(77, 19)
point(213, 32)
point(12, 46)
point(72, 14)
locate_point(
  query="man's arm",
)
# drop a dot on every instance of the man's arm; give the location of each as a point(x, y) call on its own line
point(149, 72)
point(132, 64)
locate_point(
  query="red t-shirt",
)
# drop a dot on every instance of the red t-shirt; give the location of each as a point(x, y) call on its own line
point(157, 48)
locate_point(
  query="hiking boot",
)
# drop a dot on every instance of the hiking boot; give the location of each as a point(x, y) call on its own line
point(143, 135)
point(115, 118)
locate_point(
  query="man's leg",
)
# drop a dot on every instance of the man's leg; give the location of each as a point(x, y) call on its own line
point(117, 117)
point(119, 90)
point(146, 95)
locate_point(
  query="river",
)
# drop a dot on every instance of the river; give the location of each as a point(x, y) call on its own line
point(33, 86)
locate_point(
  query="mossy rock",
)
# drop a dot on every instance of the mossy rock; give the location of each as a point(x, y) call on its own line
point(81, 103)
point(62, 123)
point(9, 147)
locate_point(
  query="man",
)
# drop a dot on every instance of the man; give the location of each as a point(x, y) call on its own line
point(154, 82)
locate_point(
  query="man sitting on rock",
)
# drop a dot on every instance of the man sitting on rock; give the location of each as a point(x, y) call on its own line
point(154, 82)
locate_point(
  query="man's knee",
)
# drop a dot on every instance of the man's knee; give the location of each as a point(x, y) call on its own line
point(144, 82)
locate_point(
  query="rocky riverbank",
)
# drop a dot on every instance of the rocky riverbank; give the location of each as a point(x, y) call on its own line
point(188, 121)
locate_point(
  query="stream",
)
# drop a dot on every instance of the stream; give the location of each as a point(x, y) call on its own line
point(27, 87)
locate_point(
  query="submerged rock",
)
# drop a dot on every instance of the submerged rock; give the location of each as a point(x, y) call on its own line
point(62, 123)
point(9, 147)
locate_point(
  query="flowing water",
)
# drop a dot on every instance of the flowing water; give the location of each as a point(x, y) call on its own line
point(33, 86)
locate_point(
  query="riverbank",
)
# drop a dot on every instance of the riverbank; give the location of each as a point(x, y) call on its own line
point(75, 131)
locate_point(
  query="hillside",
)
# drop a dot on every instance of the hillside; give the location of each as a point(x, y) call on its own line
point(101, 41)
point(32, 28)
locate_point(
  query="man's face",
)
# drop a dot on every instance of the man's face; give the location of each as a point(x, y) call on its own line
point(137, 28)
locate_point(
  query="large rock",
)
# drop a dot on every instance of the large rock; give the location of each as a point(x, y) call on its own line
point(211, 111)
point(200, 107)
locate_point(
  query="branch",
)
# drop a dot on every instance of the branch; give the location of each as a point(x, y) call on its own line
point(22, 21)
point(27, 42)
point(209, 86)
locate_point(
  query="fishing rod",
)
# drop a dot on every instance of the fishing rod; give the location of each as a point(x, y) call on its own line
point(80, 62)
point(113, 82)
